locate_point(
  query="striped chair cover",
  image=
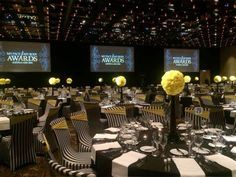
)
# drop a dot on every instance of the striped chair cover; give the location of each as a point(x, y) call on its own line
point(196, 119)
point(46, 129)
point(155, 113)
point(56, 169)
point(140, 96)
point(206, 100)
point(116, 116)
point(18, 149)
point(217, 117)
point(80, 122)
point(230, 98)
point(69, 157)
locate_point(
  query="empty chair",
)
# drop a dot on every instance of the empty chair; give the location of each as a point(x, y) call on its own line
point(155, 113)
point(46, 129)
point(196, 119)
point(93, 111)
point(57, 169)
point(18, 149)
point(116, 116)
point(206, 100)
point(69, 157)
point(80, 123)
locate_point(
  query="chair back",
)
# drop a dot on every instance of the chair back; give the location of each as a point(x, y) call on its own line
point(155, 113)
point(116, 116)
point(22, 149)
point(80, 122)
point(197, 119)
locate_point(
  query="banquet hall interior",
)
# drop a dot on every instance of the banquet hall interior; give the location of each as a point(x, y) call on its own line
point(117, 88)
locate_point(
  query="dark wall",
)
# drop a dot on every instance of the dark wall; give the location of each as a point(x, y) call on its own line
point(72, 60)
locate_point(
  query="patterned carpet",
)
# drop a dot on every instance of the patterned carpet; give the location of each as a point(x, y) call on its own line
point(40, 169)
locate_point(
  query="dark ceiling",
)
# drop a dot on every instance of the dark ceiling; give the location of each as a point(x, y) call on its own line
point(163, 23)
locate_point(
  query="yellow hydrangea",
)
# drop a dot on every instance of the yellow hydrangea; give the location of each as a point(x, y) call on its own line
point(2, 81)
point(100, 79)
point(187, 79)
point(196, 78)
point(120, 81)
point(232, 78)
point(8, 81)
point(224, 78)
point(58, 80)
point(114, 79)
point(69, 80)
point(52, 81)
point(217, 79)
point(173, 82)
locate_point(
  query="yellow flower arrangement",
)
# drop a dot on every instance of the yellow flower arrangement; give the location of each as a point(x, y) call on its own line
point(58, 80)
point(224, 78)
point(2, 81)
point(187, 79)
point(52, 81)
point(217, 79)
point(232, 78)
point(8, 81)
point(69, 80)
point(100, 79)
point(120, 81)
point(173, 82)
point(196, 78)
point(114, 79)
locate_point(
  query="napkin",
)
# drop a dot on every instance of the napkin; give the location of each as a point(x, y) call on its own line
point(103, 146)
point(224, 161)
point(230, 138)
point(105, 136)
point(120, 164)
point(233, 113)
point(113, 129)
point(188, 167)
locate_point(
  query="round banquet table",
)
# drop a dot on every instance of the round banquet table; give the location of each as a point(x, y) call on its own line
point(155, 166)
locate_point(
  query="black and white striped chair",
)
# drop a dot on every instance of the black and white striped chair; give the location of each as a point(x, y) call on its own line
point(69, 157)
point(80, 122)
point(46, 129)
point(155, 113)
point(56, 169)
point(18, 149)
point(197, 119)
point(116, 116)
point(217, 117)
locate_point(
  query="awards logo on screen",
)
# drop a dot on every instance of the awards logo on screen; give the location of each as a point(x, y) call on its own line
point(22, 57)
point(113, 59)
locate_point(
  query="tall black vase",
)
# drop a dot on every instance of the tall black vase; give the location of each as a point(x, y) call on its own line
point(121, 95)
point(173, 136)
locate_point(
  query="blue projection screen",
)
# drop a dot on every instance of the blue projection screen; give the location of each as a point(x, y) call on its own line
point(111, 59)
point(24, 57)
point(184, 60)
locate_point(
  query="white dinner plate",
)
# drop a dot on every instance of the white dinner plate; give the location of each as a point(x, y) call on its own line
point(201, 150)
point(147, 148)
point(179, 152)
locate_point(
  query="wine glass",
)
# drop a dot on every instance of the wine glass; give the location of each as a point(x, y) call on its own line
point(198, 140)
point(155, 143)
point(163, 143)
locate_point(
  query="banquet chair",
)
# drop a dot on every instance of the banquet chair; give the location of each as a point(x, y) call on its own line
point(35, 104)
point(230, 98)
point(57, 169)
point(18, 149)
point(206, 100)
point(69, 157)
point(155, 113)
point(46, 129)
point(217, 117)
point(197, 120)
point(80, 123)
point(116, 116)
point(95, 122)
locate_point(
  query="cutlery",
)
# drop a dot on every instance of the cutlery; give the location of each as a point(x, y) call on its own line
point(180, 151)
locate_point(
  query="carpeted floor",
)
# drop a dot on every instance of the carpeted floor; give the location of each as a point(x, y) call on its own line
point(40, 169)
